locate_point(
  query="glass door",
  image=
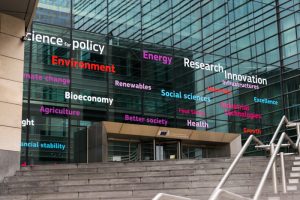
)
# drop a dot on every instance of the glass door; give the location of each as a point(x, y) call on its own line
point(147, 152)
point(166, 150)
point(192, 151)
point(119, 150)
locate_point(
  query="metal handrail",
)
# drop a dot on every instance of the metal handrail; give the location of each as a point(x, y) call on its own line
point(163, 196)
point(269, 166)
point(298, 139)
point(217, 191)
point(272, 160)
point(283, 119)
point(230, 195)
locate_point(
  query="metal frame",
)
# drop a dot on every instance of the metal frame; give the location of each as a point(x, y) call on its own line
point(217, 190)
point(162, 196)
point(274, 150)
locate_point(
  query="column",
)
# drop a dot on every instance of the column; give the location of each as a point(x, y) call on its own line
point(11, 92)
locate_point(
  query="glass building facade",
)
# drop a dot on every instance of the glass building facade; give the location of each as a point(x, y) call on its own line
point(214, 65)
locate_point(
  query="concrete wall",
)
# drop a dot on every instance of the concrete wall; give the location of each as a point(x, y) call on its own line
point(235, 146)
point(97, 141)
point(11, 92)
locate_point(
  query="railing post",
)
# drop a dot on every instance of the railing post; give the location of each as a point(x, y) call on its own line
point(216, 191)
point(283, 172)
point(87, 145)
point(283, 119)
point(298, 135)
point(274, 174)
point(270, 164)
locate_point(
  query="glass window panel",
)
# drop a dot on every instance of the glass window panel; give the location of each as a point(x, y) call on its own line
point(287, 22)
point(56, 12)
point(289, 50)
point(288, 36)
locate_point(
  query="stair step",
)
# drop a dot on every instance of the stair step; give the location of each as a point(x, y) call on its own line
point(291, 124)
point(142, 180)
point(207, 161)
point(163, 196)
point(294, 174)
point(297, 163)
point(13, 197)
point(293, 180)
point(297, 157)
point(291, 188)
point(295, 169)
point(273, 198)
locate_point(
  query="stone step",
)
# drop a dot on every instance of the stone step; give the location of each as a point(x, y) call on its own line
point(13, 197)
point(206, 175)
point(291, 187)
point(137, 173)
point(258, 166)
point(137, 186)
point(132, 186)
point(131, 194)
point(297, 157)
point(131, 173)
point(296, 163)
point(183, 172)
point(82, 196)
point(131, 180)
point(296, 169)
point(137, 181)
point(273, 198)
point(124, 169)
point(254, 161)
point(291, 195)
point(48, 197)
point(295, 175)
point(122, 178)
point(246, 168)
point(110, 198)
point(293, 181)
point(124, 164)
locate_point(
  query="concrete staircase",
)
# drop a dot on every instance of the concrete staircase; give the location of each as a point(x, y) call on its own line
point(195, 179)
point(293, 181)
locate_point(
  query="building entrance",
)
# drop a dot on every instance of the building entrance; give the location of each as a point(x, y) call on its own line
point(143, 149)
point(123, 150)
point(111, 141)
point(167, 149)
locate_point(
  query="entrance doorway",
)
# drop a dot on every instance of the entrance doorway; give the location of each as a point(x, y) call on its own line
point(123, 150)
point(147, 152)
point(143, 149)
point(193, 151)
point(112, 141)
point(167, 149)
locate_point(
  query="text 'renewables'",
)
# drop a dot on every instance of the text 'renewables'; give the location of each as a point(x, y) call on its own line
point(139, 86)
